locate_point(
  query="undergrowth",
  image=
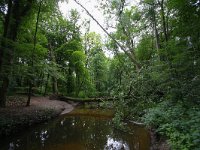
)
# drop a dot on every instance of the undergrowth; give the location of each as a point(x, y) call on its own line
point(179, 123)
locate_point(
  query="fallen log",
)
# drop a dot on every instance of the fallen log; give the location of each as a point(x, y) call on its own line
point(86, 100)
point(136, 123)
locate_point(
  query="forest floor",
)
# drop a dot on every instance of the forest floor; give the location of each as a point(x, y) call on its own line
point(16, 116)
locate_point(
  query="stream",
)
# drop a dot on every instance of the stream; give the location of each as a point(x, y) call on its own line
point(82, 129)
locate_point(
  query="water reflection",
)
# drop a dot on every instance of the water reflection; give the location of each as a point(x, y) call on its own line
point(43, 137)
point(78, 133)
point(11, 146)
point(113, 144)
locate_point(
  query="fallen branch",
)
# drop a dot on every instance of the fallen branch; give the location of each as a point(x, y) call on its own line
point(86, 100)
point(136, 123)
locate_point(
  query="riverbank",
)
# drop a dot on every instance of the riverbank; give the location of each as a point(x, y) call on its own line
point(158, 142)
point(16, 116)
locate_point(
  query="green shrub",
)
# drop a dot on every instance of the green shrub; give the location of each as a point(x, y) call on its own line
point(180, 124)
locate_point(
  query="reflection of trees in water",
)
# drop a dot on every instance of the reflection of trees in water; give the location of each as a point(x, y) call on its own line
point(86, 132)
point(115, 144)
point(89, 131)
point(43, 136)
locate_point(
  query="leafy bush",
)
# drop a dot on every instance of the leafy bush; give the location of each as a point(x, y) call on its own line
point(180, 124)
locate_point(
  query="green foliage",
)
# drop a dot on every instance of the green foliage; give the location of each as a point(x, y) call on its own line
point(24, 51)
point(145, 51)
point(82, 94)
point(78, 60)
point(165, 87)
point(97, 65)
point(99, 71)
point(177, 122)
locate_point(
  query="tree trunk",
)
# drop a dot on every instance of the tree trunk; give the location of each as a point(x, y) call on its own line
point(70, 86)
point(155, 28)
point(5, 79)
point(54, 85)
point(10, 34)
point(78, 84)
point(32, 61)
point(41, 82)
point(45, 89)
point(54, 79)
point(16, 11)
point(163, 20)
point(4, 92)
point(6, 25)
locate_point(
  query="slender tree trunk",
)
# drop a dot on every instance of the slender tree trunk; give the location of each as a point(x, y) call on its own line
point(163, 20)
point(79, 88)
point(78, 85)
point(41, 82)
point(54, 79)
point(155, 28)
point(70, 86)
point(46, 85)
point(167, 23)
point(54, 85)
point(4, 92)
point(41, 77)
point(32, 61)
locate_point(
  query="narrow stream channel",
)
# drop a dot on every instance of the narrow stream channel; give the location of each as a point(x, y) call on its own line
point(80, 130)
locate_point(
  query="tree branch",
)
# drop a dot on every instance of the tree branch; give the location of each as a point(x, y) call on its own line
point(117, 43)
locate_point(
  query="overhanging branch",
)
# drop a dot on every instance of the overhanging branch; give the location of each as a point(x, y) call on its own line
point(117, 43)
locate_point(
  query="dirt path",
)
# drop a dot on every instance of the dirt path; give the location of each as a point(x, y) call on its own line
point(44, 102)
point(16, 116)
point(37, 103)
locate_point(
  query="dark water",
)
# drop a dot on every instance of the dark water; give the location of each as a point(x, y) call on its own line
point(75, 131)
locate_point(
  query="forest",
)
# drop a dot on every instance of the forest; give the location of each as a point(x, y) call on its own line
point(153, 74)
